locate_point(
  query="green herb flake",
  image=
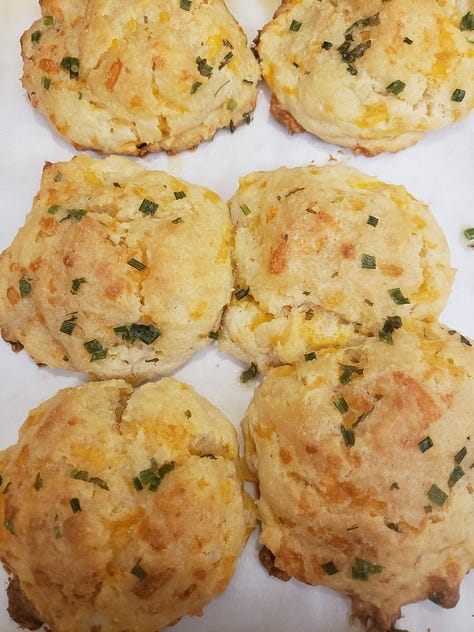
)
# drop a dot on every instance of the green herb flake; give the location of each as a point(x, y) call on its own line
point(68, 326)
point(214, 335)
point(179, 195)
point(231, 105)
point(394, 526)
point(437, 496)
point(137, 484)
point(38, 484)
point(75, 505)
point(425, 444)
point(8, 526)
point(458, 95)
point(226, 60)
point(99, 482)
point(177, 220)
point(76, 284)
point(372, 221)
point(245, 209)
point(58, 177)
point(249, 374)
point(455, 475)
point(35, 37)
point(362, 569)
point(341, 405)
point(152, 476)
point(195, 87)
point(24, 286)
point(469, 234)
point(371, 20)
point(74, 213)
point(459, 456)
point(232, 126)
point(352, 71)
point(203, 67)
point(52, 210)
point(139, 572)
point(240, 294)
point(326, 45)
point(391, 324)
point(348, 436)
point(348, 371)
point(435, 597)
point(368, 262)
point(185, 5)
point(465, 341)
point(394, 486)
point(396, 87)
point(310, 356)
point(145, 333)
point(46, 83)
point(295, 25)
point(57, 533)
point(96, 350)
point(80, 475)
point(71, 64)
point(147, 207)
point(330, 568)
point(138, 265)
point(407, 40)
point(467, 22)
point(397, 296)
point(48, 20)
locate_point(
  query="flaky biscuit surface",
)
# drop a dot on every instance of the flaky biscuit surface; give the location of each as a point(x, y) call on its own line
point(139, 77)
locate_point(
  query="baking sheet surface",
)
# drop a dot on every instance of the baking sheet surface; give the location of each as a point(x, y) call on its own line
point(439, 171)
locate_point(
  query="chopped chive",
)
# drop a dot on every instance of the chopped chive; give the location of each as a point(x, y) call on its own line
point(226, 60)
point(24, 285)
point(139, 572)
point(326, 45)
point(137, 484)
point(75, 505)
point(330, 568)
point(436, 495)
point(247, 118)
point(425, 444)
point(248, 82)
point(373, 221)
point(185, 4)
point(35, 37)
point(213, 335)
point(8, 526)
point(394, 526)
point(310, 356)
point(72, 64)
point(368, 261)
point(455, 475)
point(147, 207)
point(348, 371)
point(295, 25)
point(352, 71)
point(232, 126)
point(96, 350)
point(469, 234)
point(48, 20)
point(371, 20)
point(117, 185)
point(407, 40)
point(341, 405)
point(396, 87)
point(467, 22)
point(397, 296)
point(435, 597)
point(38, 484)
point(347, 435)
point(249, 374)
point(231, 105)
point(80, 475)
point(99, 482)
point(179, 195)
point(68, 326)
point(74, 213)
point(391, 324)
point(362, 569)
point(58, 177)
point(52, 210)
point(240, 294)
point(458, 95)
point(76, 284)
point(459, 456)
point(177, 220)
point(138, 265)
point(195, 87)
point(203, 67)
point(46, 83)
point(245, 209)
point(465, 341)
point(394, 486)
point(146, 333)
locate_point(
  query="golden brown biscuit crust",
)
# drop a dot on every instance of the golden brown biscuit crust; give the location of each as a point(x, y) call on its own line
point(364, 457)
point(123, 510)
point(373, 76)
point(151, 76)
point(103, 278)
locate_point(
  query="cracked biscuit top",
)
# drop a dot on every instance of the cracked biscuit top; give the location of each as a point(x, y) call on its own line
point(369, 74)
point(117, 272)
point(139, 77)
point(324, 254)
point(364, 459)
point(137, 491)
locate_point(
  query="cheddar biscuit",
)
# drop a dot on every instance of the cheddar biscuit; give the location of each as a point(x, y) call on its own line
point(117, 272)
point(370, 75)
point(141, 77)
point(364, 463)
point(324, 255)
point(123, 509)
